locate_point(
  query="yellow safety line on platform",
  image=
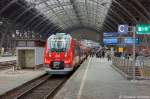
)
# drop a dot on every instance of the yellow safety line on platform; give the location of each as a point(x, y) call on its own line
point(83, 81)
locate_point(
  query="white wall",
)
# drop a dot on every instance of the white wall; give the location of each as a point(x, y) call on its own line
point(39, 54)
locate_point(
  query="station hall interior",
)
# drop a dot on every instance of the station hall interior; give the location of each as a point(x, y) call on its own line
point(77, 49)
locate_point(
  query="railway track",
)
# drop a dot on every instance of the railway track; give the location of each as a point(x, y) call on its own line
point(44, 90)
point(7, 64)
point(44, 87)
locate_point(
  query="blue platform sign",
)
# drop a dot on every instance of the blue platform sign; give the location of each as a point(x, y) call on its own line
point(110, 41)
point(123, 29)
point(110, 34)
point(130, 40)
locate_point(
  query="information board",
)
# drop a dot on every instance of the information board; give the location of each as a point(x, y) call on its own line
point(120, 49)
point(130, 40)
point(110, 41)
point(110, 34)
point(143, 29)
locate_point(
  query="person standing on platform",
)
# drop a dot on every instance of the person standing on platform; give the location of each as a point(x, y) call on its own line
point(2, 51)
point(100, 53)
point(92, 52)
point(103, 53)
point(108, 55)
point(97, 53)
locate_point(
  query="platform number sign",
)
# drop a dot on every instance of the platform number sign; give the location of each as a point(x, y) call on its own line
point(123, 29)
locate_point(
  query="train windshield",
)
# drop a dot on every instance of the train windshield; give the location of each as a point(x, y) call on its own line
point(58, 44)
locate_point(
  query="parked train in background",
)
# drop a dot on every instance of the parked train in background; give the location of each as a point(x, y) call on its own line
point(63, 54)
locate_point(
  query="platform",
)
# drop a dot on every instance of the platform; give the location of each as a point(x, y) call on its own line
point(3, 59)
point(96, 79)
point(10, 80)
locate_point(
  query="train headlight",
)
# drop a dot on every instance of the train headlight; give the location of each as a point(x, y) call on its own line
point(50, 55)
point(65, 54)
point(67, 61)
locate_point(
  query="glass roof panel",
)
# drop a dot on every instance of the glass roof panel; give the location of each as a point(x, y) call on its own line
point(66, 12)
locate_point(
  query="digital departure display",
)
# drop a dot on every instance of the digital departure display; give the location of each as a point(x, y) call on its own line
point(130, 40)
point(110, 41)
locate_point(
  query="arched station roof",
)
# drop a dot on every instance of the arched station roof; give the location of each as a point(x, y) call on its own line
point(50, 16)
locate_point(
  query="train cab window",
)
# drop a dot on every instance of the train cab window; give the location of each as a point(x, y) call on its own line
point(59, 44)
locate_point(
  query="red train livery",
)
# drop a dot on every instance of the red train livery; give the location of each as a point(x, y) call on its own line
point(63, 54)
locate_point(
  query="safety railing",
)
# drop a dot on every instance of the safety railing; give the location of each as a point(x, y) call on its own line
point(138, 70)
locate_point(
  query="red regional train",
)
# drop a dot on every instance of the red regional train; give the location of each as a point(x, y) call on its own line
point(63, 54)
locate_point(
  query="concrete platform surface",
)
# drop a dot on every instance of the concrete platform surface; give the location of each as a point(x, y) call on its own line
point(10, 80)
point(96, 79)
point(2, 59)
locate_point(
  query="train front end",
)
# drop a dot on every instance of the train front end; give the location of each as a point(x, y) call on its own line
point(58, 54)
